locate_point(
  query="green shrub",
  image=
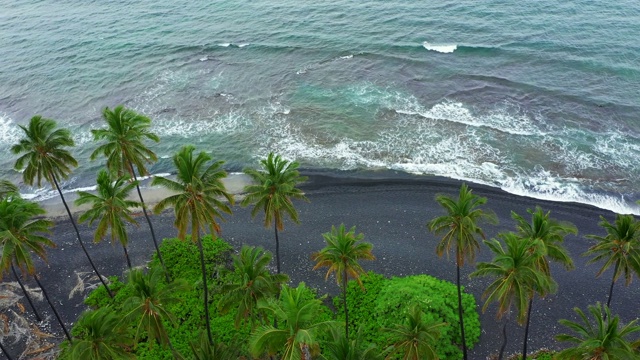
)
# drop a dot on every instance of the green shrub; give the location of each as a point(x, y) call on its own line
point(384, 302)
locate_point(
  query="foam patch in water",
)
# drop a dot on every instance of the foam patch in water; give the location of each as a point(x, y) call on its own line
point(441, 48)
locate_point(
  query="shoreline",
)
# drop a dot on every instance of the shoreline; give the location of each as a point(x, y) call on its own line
point(392, 214)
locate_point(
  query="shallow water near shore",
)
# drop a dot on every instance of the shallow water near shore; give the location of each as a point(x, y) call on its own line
point(537, 99)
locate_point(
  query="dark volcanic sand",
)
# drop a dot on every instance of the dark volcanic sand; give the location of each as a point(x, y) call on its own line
point(392, 212)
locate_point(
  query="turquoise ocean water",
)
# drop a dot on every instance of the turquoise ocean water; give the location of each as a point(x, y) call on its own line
point(538, 98)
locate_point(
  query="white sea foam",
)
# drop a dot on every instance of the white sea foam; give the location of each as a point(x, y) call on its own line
point(204, 58)
point(224, 44)
point(441, 48)
point(10, 133)
point(346, 57)
point(241, 45)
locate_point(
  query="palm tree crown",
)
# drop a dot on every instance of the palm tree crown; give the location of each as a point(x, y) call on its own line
point(20, 234)
point(416, 338)
point(198, 189)
point(44, 154)
point(602, 338)
point(111, 207)
point(124, 147)
point(101, 337)
point(254, 282)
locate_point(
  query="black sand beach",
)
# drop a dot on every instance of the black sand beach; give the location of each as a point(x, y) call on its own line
point(392, 211)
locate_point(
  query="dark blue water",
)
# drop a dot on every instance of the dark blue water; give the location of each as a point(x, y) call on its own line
point(539, 98)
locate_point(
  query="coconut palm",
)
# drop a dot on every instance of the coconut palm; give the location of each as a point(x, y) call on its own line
point(44, 157)
point(342, 254)
point(125, 150)
point(147, 306)
point(7, 188)
point(275, 186)
point(516, 275)
point(338, 347)
point(620, 247)
point(253, 282)
point(197, 202)
point(415, 339)
point(111, 207)
point(21, 232)
point(460, 229)
point(101, 336)
point(202, 350)
point(297, 336)
point(600, 338)
point(550, 234)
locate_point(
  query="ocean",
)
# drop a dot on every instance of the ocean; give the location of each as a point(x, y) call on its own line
point(537, 98)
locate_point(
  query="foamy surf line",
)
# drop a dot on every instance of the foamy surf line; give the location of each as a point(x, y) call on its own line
point(441, 48)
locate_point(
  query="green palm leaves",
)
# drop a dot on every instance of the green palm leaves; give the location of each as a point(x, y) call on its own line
point(101, 336)
point(124, 147)
point(199, 193)
point(111, 208)
point(254, 283)
point(601, 338)
point(341, 255)
point(297, 337)
point(44, 154)
point(275, 186)
point(415, 338)
point(620, 247)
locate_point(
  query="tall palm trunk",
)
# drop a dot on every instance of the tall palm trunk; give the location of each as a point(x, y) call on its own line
point(460, 317)
point(504, 335)
point(344, 298)
point(55, 312)
point(526, 329)
point(613, 281)
point(5, 352)
point(146, 216)
point(26, 294)
point(195, 231)
point(126, 255)
point(275, 226)
point(73, 222)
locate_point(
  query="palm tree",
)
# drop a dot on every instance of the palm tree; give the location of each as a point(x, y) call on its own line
point(125, 150)
point(202, 350)
point(516, 276)
point(341, 255)
point(197, 202)
point(602, 338)
point(20, 234)
point(297, 337)
point(102, 336)
point(7, 188)
point(275, 186)
point(415, 339)
point(620, 247)
point(148, 304)
point(45, 158)
point(340, 348)
point(460, 229)
point(550, 234)
point(254, 282)
point(111, 207)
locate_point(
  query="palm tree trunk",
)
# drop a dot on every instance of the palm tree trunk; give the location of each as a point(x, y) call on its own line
point(194, 229)
point(5, 352)
point(613, 281)
point(275, 226)
point(526, 329)
point(146, 216)
point(344, 299)
point(26, 294)
point(126, 255)
point(460, 317)
point(55, 312)
point(504, 336)
point(78, 235)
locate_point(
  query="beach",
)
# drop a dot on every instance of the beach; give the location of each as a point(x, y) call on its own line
point(391, 210)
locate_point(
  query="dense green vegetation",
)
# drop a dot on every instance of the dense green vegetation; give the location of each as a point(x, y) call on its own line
point(198, 299)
